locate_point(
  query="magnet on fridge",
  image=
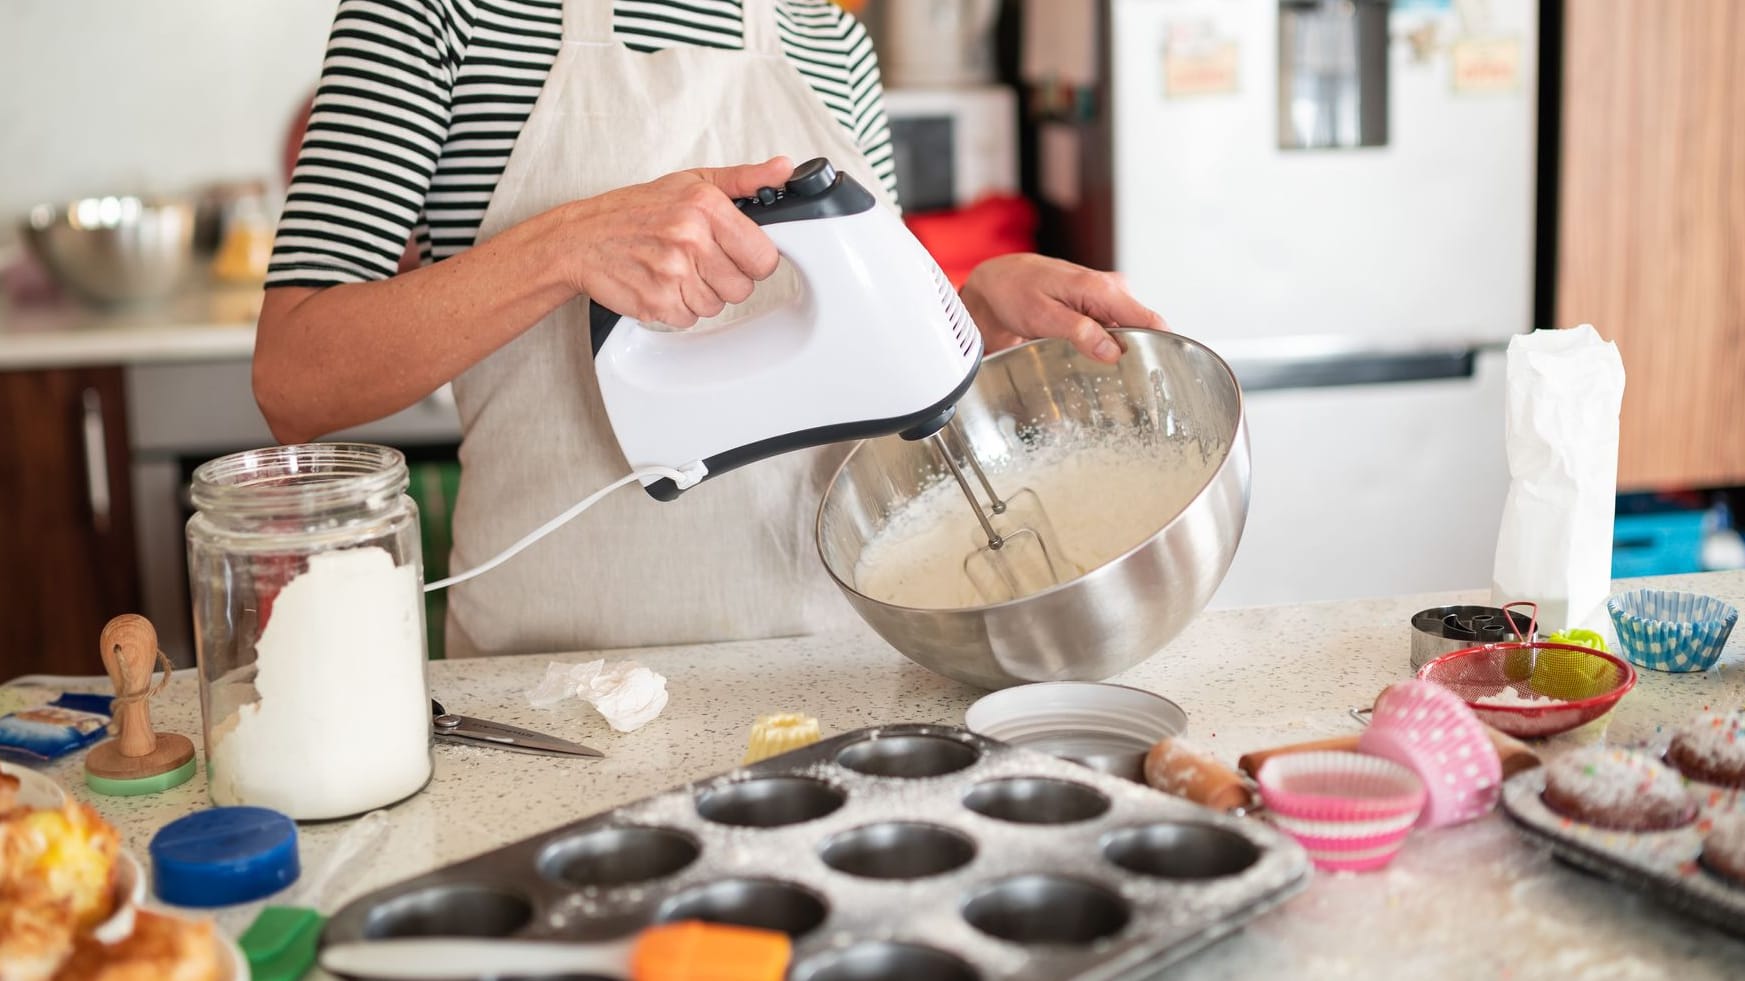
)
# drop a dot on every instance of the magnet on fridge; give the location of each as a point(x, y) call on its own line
point(1484, 65)
point(1197, 62)
point(1423, 41)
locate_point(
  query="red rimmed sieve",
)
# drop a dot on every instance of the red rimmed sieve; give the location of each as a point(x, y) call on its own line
point(1535, 689)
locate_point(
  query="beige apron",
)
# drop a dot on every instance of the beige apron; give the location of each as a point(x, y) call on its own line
point(732, 558)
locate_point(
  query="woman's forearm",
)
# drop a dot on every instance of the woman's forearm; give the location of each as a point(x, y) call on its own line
point(327, 359)
point(672, 250)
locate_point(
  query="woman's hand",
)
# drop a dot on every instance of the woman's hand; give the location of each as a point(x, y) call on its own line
point(674, 250)
point(1015, 298)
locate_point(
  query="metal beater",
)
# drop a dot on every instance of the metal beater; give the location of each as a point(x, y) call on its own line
point(1016, 559)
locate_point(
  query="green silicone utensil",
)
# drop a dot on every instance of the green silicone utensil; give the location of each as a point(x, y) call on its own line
point(281, 944)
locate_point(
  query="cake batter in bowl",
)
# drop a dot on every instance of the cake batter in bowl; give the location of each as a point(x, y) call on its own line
point(1143, 468)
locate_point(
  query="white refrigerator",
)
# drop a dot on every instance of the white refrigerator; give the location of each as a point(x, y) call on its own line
point(1338, 197)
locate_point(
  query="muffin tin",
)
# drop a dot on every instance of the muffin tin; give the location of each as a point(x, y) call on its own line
point(1665, 865)
point(925, 853)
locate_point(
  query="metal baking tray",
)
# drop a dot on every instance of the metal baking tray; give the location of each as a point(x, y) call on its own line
point(906, 851)
point(1664, 865)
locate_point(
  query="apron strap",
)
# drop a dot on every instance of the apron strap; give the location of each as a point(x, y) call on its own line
point(588, 21)
point(758, 21)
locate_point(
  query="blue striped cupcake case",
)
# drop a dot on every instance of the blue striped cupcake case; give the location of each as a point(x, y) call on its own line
point(1671, 631)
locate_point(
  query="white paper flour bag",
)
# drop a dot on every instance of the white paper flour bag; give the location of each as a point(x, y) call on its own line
point(1565, 388)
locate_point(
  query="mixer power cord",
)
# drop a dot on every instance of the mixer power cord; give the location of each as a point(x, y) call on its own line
point(685, 476)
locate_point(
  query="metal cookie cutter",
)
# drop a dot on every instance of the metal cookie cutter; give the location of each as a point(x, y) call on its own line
point(1445, 629)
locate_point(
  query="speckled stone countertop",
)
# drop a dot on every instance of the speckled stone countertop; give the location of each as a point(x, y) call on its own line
point(1475, 901)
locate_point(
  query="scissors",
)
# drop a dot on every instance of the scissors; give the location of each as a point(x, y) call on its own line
point(478, 732)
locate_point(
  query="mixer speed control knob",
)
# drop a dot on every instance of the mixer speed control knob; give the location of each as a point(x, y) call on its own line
point(812, 178)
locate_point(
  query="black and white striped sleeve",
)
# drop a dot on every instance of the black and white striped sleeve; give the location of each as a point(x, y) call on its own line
point(834, 53)
point(871, 128)
point(380, 117)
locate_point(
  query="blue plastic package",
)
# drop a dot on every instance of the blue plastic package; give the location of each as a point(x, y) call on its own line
point(65, 725)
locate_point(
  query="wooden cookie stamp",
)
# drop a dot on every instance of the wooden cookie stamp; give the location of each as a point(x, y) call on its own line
point(137, 760)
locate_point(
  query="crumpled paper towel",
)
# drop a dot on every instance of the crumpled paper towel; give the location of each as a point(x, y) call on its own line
point(626, 693)
point(1565, 388)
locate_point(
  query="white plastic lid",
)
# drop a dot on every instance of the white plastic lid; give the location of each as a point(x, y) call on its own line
point(1077, 718)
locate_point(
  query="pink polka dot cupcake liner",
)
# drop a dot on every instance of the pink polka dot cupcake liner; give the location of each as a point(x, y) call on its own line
point(1431, 731)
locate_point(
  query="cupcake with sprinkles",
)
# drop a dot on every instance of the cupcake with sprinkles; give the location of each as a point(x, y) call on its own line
point(1617, 789)
point(1724, 849)
point(1711, 749)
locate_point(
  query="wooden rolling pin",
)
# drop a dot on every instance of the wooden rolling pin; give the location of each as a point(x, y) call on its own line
point(1178, 767)
point(1516, 755)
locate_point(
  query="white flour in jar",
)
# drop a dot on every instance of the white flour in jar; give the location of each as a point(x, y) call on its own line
point(342, 721)
point(1101, 500)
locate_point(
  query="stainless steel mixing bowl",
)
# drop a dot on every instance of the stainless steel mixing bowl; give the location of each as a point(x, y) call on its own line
point(1165, 386)
point(115, 250)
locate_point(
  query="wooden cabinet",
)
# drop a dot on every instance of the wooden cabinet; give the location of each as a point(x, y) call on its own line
point(67, 560)
point(1651, 225)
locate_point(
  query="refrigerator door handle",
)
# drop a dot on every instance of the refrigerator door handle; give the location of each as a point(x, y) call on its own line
point(1288, 369)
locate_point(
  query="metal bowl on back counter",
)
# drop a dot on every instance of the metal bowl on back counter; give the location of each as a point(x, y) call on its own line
point(1166, 388)
point(115, 250)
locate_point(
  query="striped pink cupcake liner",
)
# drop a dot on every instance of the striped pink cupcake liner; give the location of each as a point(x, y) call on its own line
point(1350, 811)
point(1354, 861)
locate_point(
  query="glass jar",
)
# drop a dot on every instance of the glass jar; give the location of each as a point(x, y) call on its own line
point(306, 577)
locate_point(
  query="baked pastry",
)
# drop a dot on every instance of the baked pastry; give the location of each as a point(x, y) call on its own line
point(34, 939)
point(161, 948)
point(62, 857)
point(57, 880)
point(1619, 789)
point(1711, 748)
point(1724, 850)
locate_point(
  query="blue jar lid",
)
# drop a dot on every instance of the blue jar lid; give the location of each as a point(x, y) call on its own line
point(224, 855)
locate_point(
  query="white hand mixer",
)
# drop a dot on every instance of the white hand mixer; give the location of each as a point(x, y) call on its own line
point(875, 342)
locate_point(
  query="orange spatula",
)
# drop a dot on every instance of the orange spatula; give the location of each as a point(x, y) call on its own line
point(697, 951)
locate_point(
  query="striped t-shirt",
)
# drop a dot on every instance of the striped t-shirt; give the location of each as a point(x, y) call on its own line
point(420, 102)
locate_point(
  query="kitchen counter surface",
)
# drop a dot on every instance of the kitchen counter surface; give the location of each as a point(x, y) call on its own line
point(1475, 901)
point(216, 325)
